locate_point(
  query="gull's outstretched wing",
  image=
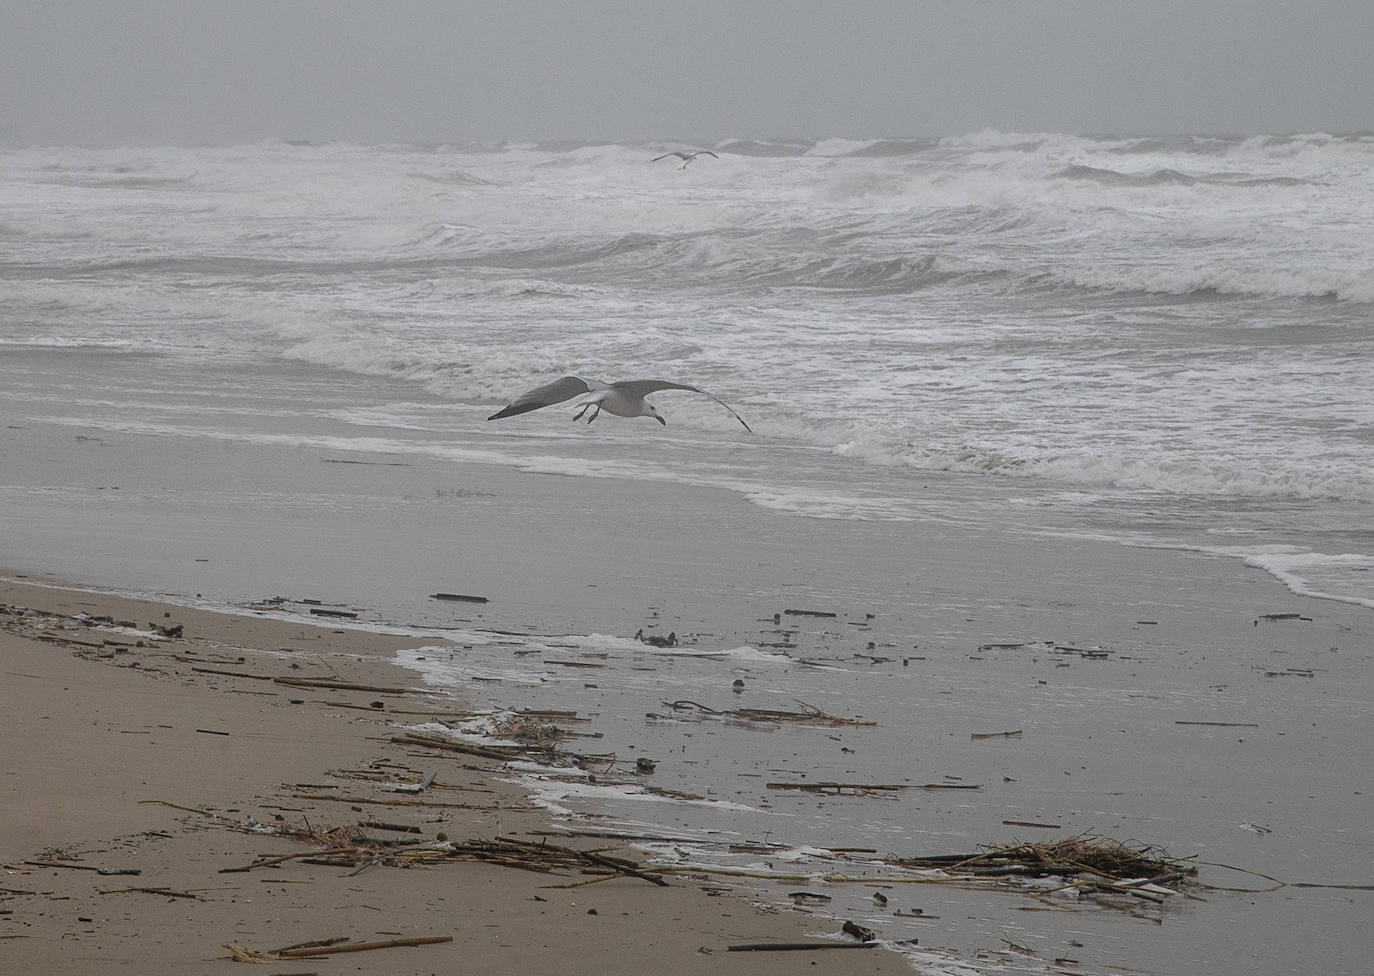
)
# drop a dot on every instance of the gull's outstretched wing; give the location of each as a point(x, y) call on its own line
point(679, 155)
point(545, 396)
point(641, 388)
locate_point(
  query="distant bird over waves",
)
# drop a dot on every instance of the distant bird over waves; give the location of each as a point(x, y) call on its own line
point(686, 157)
point(624, 399)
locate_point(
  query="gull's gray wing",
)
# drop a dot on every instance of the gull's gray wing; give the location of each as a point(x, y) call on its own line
point(545, 396)
point(641, 388)
point(666, 155)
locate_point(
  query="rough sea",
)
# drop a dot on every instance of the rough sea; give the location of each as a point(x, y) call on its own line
point(1157, 340)
point(1162, 342)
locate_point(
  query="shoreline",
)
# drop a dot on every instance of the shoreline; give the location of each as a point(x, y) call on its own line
point(153, 759)
point(1196, 725)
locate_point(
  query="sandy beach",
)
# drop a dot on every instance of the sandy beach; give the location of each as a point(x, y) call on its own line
point(1162, 698)
point(140, 774)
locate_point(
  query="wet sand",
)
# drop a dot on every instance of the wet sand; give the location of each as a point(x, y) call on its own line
point(149, 760)
point(1226, 719)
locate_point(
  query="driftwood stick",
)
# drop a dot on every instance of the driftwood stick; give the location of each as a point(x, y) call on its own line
point(688, 703)
point(309, 945)
point(828, 787)
point(178, 806)
point(233, 674)
point(84, 867)
point(152, 891)
point(617, 865)
point(796, 946)
point(324, 947)
point(418, 940)
point(267, 862)
point(340, 686)
point(383, 825)
point(415, 739)
point(403, 803)
point(583, 884)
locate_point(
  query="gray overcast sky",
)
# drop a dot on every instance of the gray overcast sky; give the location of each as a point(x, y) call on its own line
point(232, 71)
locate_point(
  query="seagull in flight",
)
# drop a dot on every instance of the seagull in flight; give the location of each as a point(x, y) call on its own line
point(624, 399)
point(686, 157)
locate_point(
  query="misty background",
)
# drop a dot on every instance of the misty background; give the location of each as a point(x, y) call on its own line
point(456, 71)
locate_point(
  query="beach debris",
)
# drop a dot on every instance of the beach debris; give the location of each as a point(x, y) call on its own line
point(655, 640)
point(1014, 734)
point(419, 787)
point(862, 789)
point(178, 806)
point(340, 686)
point(810, 715)
point(458, 597)
point(531, 731)
point(232, 674)
point(83, 867)
point(502, 753)
point(532, 734)
point(643, 765)
point(168, 892)
point(364, 800)
point(807, 613)
point(349, 846)
point(1097, 864)
point(1086, 653)
point(1292, 673)
point(383, 825)
point(1019, 949)
point(860, 932)
point(796, 946)
point(326, 612)
point(325, 947)
point(1273, 617)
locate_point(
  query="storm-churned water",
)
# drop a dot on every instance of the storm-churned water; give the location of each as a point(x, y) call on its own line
point(1160, 342)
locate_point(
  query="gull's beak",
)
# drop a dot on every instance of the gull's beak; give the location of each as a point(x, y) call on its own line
point(661, 420)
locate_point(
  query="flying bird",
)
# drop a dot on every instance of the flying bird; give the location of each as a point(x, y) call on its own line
point(686, 157)
point(624, 399)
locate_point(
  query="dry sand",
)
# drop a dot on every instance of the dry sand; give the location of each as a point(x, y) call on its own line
point(127, 758)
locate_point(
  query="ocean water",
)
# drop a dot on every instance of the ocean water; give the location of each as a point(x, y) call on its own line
point(1145, 342)
point(1157, 340)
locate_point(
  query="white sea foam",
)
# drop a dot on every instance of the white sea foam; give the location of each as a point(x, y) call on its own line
point(1184, 317)
point(561, 796)
point(1326, 576)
